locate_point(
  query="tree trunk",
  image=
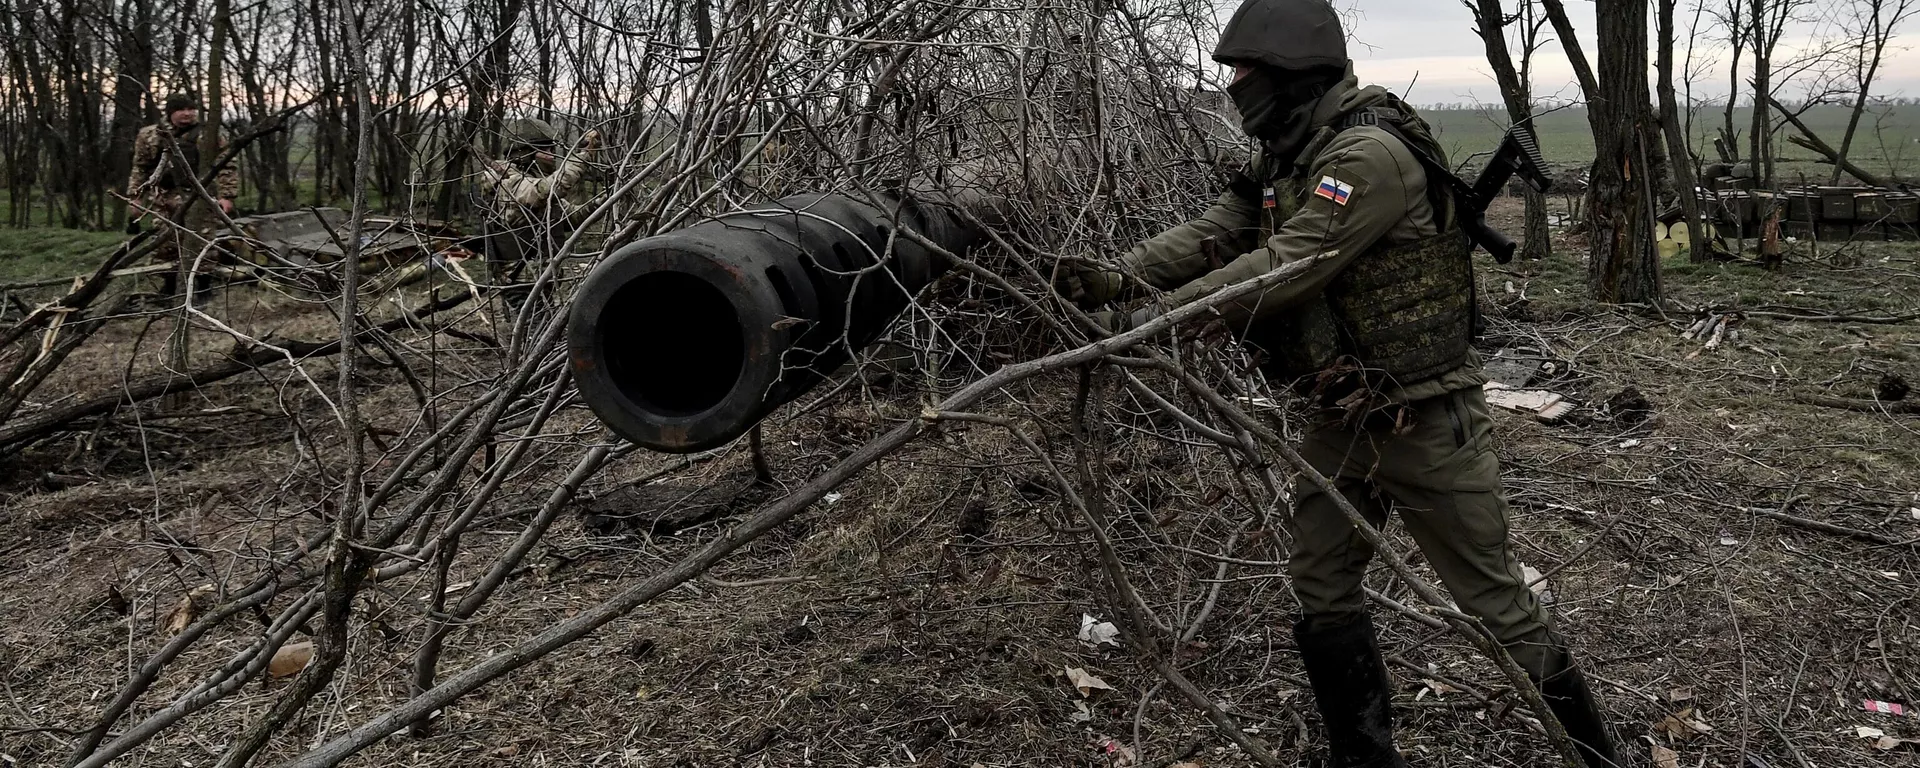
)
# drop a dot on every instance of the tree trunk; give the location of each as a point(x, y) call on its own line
point(327, 130)
point(214, 107)
point(1762, 72)
point(1679, 155)
point(401, 122)
point(131, 105)
point(1624, 267)
point(1490, 23)
point(1736, 39)
point(22, 137)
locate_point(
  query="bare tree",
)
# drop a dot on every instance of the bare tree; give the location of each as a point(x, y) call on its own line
point(1870, 25)
point(1623, 267)
point(1768, 21)
point(1679, 152)
point(1490, 23)
point(1739, 32)
point(132, 104)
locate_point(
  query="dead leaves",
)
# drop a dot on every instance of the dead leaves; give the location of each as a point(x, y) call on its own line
point(1435, 687)
point(1678, 727)
point(1882, 741)
point(189, 608)
point(1116, 753)
point(1683, 725)
point(1085, 682)
point(290, 659)
point(1095, 633)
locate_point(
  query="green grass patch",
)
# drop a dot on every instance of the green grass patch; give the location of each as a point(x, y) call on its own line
point(36, 253)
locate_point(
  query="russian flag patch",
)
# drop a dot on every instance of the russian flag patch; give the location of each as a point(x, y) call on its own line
point(1268, 199)
point(1334, 189)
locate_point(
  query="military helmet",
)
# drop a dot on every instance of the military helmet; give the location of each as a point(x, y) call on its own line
point(532, 132)
point(1287, 34)
point(179, 101)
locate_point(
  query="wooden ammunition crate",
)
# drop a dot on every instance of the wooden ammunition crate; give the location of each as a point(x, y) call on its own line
point(1802, 205)
point(1836, 203)
point(1904, 207)
point(1734, 208)
point(1870, 207)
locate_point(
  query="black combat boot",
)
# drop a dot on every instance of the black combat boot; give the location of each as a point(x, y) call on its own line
point(1350, 687)
point(1567, 694)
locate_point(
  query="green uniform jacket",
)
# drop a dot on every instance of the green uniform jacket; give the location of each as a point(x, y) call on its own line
point(1377, 198)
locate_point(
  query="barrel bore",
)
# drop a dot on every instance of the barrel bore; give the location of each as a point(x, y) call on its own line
point(706, 340)
point(683, 341)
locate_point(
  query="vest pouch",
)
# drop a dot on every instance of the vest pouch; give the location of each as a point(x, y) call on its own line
point(172, 175)
point(1300, 342)
point(1408, 310)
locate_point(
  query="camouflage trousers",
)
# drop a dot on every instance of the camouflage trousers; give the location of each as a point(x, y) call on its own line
point(172, 241)
point(1442, 478)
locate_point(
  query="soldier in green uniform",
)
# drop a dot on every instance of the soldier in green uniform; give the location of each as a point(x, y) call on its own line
point(1377, 335)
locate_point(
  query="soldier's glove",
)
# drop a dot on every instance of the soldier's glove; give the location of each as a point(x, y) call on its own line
point(1089, 285)
point(1208, 330)
point(1121, 322)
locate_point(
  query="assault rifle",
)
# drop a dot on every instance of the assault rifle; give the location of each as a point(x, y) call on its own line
point(1518, 154)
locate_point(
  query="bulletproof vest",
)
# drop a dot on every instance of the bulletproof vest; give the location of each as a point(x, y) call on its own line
point(176, 177)
point(1397, 315)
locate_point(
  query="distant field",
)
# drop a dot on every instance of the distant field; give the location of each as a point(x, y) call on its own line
point(1566, 139)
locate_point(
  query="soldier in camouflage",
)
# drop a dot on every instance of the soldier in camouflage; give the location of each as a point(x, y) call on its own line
point(166, 160)
point(160, 183)
point(1377, 335)
point(527, 214)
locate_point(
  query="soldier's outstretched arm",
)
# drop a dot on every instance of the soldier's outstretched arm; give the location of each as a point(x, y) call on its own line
point(1360, 189)
point(528, 189)
point(567, 172)
point(1171, 258)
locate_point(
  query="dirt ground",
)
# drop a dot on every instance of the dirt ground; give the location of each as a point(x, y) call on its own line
point(925, 614)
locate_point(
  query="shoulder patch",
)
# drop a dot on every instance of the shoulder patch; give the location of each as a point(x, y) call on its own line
point(1334, 189)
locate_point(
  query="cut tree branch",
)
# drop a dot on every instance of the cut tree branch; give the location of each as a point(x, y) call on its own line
point(1811, 141)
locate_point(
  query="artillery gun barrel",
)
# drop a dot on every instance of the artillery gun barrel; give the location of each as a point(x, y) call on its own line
point(683, 341)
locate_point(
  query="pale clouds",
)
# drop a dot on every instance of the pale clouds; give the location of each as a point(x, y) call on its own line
point(1431, 45)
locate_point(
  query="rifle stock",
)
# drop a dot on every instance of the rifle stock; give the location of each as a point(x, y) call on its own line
point(1518, 154)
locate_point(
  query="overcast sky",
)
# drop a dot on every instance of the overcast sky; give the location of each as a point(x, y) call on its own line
point(1395, 41)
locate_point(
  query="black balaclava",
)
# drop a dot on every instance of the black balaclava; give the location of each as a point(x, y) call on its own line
point(1277, 105)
